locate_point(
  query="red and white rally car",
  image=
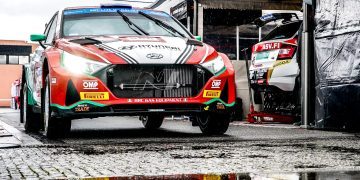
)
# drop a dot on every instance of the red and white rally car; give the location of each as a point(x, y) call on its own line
point(275, 66)
point(118, 60)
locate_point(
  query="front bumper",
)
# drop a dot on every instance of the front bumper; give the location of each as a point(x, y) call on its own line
point(84, 96)
point(91, 110)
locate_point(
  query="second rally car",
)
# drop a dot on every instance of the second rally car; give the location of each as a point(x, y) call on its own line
point(117, 60)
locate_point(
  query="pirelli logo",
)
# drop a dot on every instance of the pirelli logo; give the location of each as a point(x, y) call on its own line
point(94, 95)
point(211, 93)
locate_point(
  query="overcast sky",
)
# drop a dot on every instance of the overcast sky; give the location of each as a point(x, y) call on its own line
point(20, 18)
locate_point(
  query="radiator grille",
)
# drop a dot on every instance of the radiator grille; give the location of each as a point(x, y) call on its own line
point(156, 81)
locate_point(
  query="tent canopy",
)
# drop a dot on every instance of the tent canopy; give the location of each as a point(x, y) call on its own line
point(252, 4)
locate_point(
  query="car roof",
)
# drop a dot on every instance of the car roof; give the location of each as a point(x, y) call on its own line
point(87, 7)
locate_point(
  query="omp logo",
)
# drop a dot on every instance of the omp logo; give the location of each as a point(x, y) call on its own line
point(154, 56)
point(94, 95)
point(216, 84)
point(90, 84)
point(211, 93)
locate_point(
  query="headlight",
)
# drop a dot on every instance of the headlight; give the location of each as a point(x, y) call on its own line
point(215, 65)
point(80, 65)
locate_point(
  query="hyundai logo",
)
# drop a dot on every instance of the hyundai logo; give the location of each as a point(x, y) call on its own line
point(154, 56)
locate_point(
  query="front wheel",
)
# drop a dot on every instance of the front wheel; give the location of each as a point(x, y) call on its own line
point(213, 124)
point(152, 122)
point(30, 119)
point(53, 127)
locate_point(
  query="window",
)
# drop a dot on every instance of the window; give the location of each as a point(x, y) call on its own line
point(111, 23)
point(51, 34)
point(13, 59)
point(284, 31)
point(23, 59)
point(2, 59)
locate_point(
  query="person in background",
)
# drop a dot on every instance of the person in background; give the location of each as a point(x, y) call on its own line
point(15, 93)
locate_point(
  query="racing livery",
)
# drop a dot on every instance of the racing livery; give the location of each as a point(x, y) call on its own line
point(275, 69)
point(118, 60)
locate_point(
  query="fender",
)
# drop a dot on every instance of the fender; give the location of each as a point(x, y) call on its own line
point(51, 59)
point(228, 64)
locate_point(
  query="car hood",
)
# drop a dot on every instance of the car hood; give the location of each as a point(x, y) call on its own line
point(141, 49)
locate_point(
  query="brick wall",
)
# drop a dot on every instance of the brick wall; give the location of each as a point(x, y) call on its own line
point(8, 74)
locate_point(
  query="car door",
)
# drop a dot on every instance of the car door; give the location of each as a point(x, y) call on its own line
point(37, 62)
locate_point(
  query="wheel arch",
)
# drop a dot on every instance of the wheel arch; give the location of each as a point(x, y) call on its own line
point(45, 71)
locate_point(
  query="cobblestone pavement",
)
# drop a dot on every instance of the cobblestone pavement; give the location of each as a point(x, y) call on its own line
point(113, 147)
point(49, 161)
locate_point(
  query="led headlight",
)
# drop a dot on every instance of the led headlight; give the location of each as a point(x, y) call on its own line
point(80, 65)
point(215, 65)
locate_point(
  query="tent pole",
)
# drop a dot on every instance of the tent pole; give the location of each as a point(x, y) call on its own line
point(237, 43)
point(305, 70)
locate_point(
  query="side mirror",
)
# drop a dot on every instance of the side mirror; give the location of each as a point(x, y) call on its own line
point(37, 37)
point(199, 38)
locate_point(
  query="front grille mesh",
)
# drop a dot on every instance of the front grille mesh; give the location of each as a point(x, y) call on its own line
point(156, 81)
point(181, 75)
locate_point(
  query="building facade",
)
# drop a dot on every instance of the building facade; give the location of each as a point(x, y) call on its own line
point(13, 54)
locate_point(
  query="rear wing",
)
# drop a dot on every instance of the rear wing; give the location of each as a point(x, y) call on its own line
point(286, 17)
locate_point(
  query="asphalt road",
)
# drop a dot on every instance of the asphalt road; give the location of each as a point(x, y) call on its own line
point(109, 130)
point(120, 146)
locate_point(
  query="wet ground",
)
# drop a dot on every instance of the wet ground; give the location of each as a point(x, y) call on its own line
point(120, 147)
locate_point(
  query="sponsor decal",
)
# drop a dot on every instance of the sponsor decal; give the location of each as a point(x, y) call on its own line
point(141, 39)
point(94, 95)
point(266, 46)
point(216, 84)
point(82, 108)
point(220, 106)
point(112, 10)
point(90, 84)
point(211, 93)
point(206, 108)
point(158, 100)
point(267, 17)
point(53, 80)
point(269, 46)
point(147, 46)
point(282, 62)
point(154, 56)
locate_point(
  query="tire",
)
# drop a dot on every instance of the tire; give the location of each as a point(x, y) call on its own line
point(213, 124)
point(30, 119)
point(257, 97)
point(152, 122)
point(53, 127)
point(237, 113)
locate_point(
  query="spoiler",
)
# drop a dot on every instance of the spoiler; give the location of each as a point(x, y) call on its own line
point(286, 17)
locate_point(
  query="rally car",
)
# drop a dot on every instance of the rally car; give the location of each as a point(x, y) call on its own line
point(114, 60)
point(275, 67)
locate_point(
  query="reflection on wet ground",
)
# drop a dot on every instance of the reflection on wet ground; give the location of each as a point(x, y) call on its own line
point(339, 175)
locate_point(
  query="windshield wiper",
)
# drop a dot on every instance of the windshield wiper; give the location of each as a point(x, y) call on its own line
point(162, 24)
point(130, 23)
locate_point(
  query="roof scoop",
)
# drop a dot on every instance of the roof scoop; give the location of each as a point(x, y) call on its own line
point(86, 41)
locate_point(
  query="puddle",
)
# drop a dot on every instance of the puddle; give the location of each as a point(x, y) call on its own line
point(200, 156)
point(342, 149)
point(250, 176)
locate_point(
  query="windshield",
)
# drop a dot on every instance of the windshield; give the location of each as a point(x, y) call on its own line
point(107, 21)
point(284, 31)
